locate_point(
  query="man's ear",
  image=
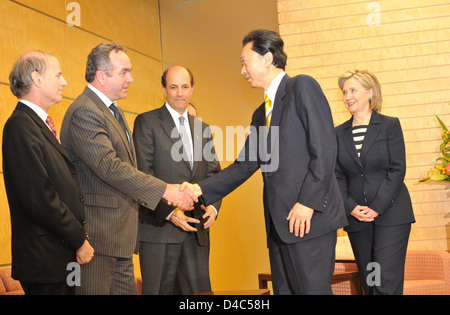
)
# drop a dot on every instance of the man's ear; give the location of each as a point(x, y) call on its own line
point(268, 58)
point(100, 76)
point(37, 78)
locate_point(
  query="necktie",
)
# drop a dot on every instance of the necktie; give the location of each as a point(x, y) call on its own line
point(184, 138)
point(268, 107)
point(50, 123)
point(119, 118)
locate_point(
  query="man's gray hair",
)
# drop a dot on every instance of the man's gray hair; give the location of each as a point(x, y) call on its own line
point(20, 80)
point(98, 59)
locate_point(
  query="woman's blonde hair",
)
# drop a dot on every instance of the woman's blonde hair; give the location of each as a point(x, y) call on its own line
point(368, 81)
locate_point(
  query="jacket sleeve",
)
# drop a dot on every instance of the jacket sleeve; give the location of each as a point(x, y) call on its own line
point(23, 155)
point(349, 202)
point(395, 175)
point(213, 165)
point(92, 141)
point(223, 183)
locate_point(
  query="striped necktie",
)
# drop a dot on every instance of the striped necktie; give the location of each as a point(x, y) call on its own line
point(268, 106)
point(50, 123)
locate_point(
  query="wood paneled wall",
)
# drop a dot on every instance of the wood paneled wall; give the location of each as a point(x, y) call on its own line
point(34, 24)
point(406, 44)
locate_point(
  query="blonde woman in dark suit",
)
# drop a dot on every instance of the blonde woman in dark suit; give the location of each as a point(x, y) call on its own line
point(370, 169)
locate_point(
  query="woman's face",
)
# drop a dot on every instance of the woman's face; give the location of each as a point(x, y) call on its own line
point(356, 97)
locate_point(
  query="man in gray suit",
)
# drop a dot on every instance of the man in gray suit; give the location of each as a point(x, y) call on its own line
point(99, 143)
point(168, 253)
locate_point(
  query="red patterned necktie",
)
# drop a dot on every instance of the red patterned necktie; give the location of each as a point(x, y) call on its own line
point(50, 123)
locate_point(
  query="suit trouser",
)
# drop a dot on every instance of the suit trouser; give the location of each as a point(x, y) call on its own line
point(47, 289)
point(181, 268)
point(386, 246)
point(106, 275)
point(303, 268)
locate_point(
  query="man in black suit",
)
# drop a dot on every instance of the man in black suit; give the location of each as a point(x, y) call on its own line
point(294, 144)
point(170, 255)
point(46, 205)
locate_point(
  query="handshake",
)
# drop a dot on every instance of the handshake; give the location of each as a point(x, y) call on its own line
point(182, 196)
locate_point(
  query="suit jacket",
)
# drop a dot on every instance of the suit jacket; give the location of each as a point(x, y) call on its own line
point(376, 178)
point(111, 184)
point(302, 147)
point(155, 135)
point(46, 205)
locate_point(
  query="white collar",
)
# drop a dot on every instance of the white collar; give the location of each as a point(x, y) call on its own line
point(38, 110)
point(273, 87)
point(176, 116)
point(105, 99)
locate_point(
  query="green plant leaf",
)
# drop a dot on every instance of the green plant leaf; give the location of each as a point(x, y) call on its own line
point(441, 123)
point(438, 177)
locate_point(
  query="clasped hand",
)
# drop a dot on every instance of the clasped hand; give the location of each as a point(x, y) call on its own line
point(364, 214)
point(180, 219)
point(182, 196)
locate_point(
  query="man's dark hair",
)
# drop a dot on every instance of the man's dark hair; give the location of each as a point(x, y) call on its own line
point(265, 41)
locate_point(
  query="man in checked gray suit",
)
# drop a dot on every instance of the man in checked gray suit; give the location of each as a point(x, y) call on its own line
point(98, 141)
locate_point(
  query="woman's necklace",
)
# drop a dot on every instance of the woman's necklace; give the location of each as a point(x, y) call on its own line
point(357, 122)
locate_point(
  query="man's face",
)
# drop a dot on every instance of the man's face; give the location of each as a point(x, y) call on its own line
point(178, 90)
point(254, 67)
point(118, 79)
point(53, 83)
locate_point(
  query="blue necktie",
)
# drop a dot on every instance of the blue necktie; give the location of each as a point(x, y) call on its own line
point(122, 124)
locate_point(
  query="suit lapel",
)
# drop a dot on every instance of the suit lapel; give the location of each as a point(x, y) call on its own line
point(108, 115)
point(279, 103)
point(278, 107)
point(171, 130)
point(371, 134)
point(349, 144)
point(45, 130)
point(168, 124)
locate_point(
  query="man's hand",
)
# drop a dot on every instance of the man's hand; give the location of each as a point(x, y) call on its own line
point(194, 188)
point(182, 221)
point(85, 253)
point(210, 213)
point(181, 198)
point(300, 219)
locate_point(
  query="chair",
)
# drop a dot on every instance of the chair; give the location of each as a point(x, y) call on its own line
point(427, 272)
point(9, 286)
